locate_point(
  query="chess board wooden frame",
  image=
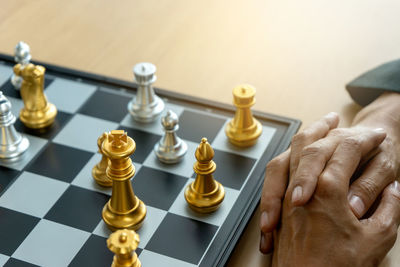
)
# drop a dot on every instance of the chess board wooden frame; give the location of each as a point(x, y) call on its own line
point(226, 239)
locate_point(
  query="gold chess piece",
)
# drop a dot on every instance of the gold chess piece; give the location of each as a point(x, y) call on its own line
point(124, 209)
point(123, 244)
point(243, 130)
point(37, 112)
point(205, 194)
point(99, 170)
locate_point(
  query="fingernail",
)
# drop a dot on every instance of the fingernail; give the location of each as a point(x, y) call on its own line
point(357, 205)
point(379, 130)
point(264, 220)
point(395, 186)
point(262, 243)
point(331, 115)
point(297, 194)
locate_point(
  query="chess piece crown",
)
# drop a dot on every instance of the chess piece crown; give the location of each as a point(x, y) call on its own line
point(123, 244)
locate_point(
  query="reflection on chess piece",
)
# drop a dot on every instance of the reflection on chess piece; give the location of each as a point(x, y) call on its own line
point(243, 130)
point(99, 170)
point(12, 144)
point(171, 148)
point(146, 105)
point(124, 209)
point(37, 112)
point(123, 244)
point(22, 56)
point(205, 194)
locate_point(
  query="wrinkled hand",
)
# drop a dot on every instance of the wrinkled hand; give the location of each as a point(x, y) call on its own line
point(309, 152)
point(325, 232)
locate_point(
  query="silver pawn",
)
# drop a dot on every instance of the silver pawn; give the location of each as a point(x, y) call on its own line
point(22, 56)
point(146, 105)
point(171, 148)
point(12, 144)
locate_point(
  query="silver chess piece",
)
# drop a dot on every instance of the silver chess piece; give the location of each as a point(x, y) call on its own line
point(171, 148)
point(12, 144)
point(22, 56)
point(146, 105)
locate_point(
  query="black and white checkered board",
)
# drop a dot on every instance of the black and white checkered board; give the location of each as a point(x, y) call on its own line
point(50, 207)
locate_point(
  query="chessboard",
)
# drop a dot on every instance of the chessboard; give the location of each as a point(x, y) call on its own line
point(50, 206)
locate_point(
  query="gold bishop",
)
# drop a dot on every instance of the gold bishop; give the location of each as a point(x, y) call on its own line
point(205, 194)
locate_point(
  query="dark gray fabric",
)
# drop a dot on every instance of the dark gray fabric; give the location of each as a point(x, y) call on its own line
point(367, 87)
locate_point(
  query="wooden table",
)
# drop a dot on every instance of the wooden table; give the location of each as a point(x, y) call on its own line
point(298, 54)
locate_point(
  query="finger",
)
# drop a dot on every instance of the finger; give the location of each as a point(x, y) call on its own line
point(379, 172)
point(266, 242)
point(387, 215)
point(346, 158)
point(315, 131)
point(312, 162)
point(275, 183)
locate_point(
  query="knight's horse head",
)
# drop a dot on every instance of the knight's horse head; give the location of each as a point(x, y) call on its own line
point(30, 73)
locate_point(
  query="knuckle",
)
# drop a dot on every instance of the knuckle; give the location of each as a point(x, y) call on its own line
point(387, 167)
point(337, 132)
point(369, 189)
point(300, 137)
point(274, 165)
point(311, 151)
point(352, 142)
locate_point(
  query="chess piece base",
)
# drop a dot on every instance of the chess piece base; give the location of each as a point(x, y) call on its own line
point(14, 150)
point(135, 262)
point(100, 177)
point(132, 219)
point(146, 113)
point(170, 156)
point(38, 119)
point(205, 203)
point(243, 137)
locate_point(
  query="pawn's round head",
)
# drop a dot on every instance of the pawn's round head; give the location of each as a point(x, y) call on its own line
point(204, 152)
point(5, 105)
point(22, 53)
point(170, 121)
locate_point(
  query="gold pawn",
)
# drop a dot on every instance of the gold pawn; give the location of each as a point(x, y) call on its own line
point(99, 170)
point(123, 244)
point(37, 112)
point(243, 130)
point(205, 194)
point(124, 209)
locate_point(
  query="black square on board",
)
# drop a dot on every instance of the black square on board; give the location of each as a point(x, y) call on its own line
point(79, 208)
point(60, 162)
point(232, 170)
point(93, 253)
point(7, 175)
point(182, 238)
point(106, 106)
point(15, 227)
point(193, 126)
point(157, 188)
point(18, 263)
point(9, 90)
point(144, 143)
point(49, 132)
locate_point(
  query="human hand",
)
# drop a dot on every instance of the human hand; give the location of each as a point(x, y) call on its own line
point(374, 175)
point(324, 232)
